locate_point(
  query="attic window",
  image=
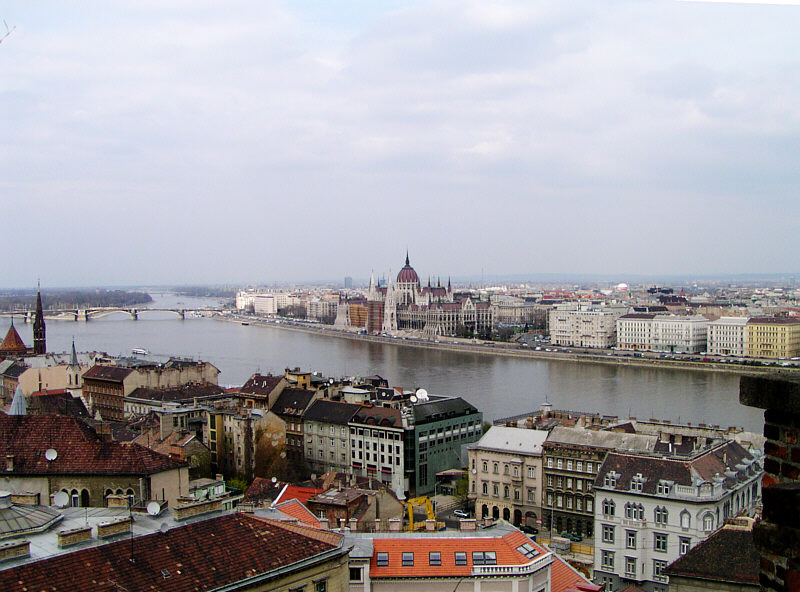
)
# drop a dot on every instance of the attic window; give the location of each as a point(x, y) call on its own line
point(382, 560)
point(434, 558)
point(637, 482)
point(484, 558)
point(528, 550)
point(461, 558)
point(165, 573)
point(408, 559)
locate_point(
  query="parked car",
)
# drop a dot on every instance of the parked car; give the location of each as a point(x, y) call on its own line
point(575, 538)
point(461, 513)
point(529, 529)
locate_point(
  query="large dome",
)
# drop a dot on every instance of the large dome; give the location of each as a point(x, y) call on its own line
point(407, 275)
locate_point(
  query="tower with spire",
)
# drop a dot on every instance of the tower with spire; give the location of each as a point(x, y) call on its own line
point(39, 337)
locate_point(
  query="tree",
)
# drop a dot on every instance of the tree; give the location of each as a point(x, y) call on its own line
point(462, 491)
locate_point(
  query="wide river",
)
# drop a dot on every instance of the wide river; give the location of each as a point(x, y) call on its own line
point(499, 386)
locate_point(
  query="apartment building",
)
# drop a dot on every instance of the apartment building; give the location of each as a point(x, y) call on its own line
point(327, 435)
point(773, 337)
point(635, 331)
point(679, 334)
point(581, 325)
point(727, 336)
point(505, 474)
point(650, 510)
point(376, 445)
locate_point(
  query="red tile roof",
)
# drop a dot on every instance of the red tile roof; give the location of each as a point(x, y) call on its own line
point(202, 556)
point(297, 510)
point(13, 342)
point(505, 547)
point(301, 494)
point(80, 451)
point(564, 578)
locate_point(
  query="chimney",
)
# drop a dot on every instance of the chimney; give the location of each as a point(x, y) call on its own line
point(9, 462)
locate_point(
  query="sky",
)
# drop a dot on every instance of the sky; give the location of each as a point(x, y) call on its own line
point(193, 142)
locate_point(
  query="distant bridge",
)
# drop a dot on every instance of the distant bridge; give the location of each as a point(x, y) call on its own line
point(87, 314)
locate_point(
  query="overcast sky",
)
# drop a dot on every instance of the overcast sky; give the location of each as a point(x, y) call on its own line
point(208, 142)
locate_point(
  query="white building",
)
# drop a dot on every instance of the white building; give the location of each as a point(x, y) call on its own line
point(505, 474)
point(727, 336)
point(650, 510)
point(584, 325)
point(678, 334)
point(635, 331)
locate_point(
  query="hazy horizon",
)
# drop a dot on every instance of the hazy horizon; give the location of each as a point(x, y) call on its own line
point(197, 143)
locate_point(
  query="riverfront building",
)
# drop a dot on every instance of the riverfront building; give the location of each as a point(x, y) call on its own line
point(652, 509)
point(771, 337)
point(581, 325)
point(635, 331)
point(727, 336)
point(505, 475)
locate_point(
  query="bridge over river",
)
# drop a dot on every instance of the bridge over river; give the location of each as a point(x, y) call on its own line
point(87, 314)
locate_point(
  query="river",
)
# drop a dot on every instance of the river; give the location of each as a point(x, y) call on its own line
point(499, 386)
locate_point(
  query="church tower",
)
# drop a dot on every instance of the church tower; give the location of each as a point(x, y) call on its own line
point(39, 339)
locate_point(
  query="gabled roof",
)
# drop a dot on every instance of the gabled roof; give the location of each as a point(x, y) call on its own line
point(298, 492)
point(728, 555)
point(292, 401)
point(259, 384)
point(205, 555)
point(186, 392)
point(565, 578)
point(56, 403)
point(295, 509)
point(331, 411)
point(80, 451)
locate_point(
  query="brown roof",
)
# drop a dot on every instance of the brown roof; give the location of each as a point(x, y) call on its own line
point(728, 555)
point(13, 343)
point(109, 373)
point(185, 392)
point(259, 384)
point(205, 555)
point(774, 321)
point(56, 403)
point(80, 451)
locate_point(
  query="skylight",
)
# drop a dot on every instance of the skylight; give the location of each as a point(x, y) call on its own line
point(528, 550)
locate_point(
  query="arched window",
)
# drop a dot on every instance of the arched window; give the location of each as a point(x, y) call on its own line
point(708, 522)
point(75, 498)
point(131, 496)
point(505, 491)
point(85, 502)
point(686, 519)
point(485, 488)
point(660, 515)
point(608, 507)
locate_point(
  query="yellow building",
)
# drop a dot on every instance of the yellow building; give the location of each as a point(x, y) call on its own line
point(773, 337)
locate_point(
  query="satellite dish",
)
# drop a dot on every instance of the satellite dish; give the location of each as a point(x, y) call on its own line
point(61, 499)
point(274, 479)
point(163, 528)
point(51, 454)
point(413, 398)
point(422, 394)
point(154, 508)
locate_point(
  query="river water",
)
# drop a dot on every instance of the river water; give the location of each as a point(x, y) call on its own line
point(499, 386)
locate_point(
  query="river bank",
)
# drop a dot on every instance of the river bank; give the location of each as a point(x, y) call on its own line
point(516, 351)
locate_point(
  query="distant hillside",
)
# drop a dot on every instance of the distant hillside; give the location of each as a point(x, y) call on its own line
point(57, 299)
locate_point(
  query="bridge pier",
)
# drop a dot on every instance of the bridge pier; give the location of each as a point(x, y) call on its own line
point(81, 315)
point(134, 314)
point(28, 317)
point(182, 314)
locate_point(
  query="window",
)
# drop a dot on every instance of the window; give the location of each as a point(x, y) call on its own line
point(408, 559)
point(560, 482)
point(610, 480)
point(608, 533)
point(607, 559)
point(660, 542)
point(658, 568)
point(708, 522)
point(505, 491)
point(355, 574)
point(608, 508)
point(461, 558)
point(531, 495)
point(495, 468)
point(579, 484)
point(549, 463)
point(484, 558)
point(505, 469)
point(549, 480)
point(560, 463)
point(588, 467)
point(569, 482)
point(531, 472)
point(579, 466)
point(485, 467)
point(578, 504)
point(685, 544)
point(630, 567)
point(660, 515)
point(495, 490)
point(434, 558)
point(686, 519)
point(663, 488)
point(516, 495)
point(321, 586)
point(382, 559)
point(630, 539)
point(485, 488)
point(569, 465)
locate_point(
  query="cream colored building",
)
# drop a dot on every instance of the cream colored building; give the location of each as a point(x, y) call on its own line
point(635, 331)
point(680, 334)
point(773, 337)
point(727, 336)
point(583, 325)
point(505, 474)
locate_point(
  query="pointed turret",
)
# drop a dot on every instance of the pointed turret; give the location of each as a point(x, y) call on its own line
point(12, 344)
point(19, 405)
point(73, 359)
point(39, 339)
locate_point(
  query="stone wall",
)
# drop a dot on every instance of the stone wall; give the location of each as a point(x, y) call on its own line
point(777, 535)
point(14, 549)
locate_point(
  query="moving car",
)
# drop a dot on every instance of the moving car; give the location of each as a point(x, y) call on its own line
point(461, 513)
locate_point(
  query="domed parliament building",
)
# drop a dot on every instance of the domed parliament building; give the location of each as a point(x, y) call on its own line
point(407, 306)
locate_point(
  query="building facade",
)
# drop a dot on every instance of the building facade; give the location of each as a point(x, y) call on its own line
point(635, 331)
point(650, 510)
point(684, 335)
point(582, 325)
point(727, 336)
point(505, 475)
point(770, 337)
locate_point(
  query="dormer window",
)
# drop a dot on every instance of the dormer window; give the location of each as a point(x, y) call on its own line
point(610, 480)
point(484, 558)
point(382, 560)
point(637, 483)
point(663, 487)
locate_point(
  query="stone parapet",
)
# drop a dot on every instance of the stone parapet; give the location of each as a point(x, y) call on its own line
point(184, 511)
point(15, 549)
point(111, 528)
point(74, 536)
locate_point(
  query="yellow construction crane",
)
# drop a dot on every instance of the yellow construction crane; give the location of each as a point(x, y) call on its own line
point(419, 501)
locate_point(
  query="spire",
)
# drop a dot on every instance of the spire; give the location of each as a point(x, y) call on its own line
point(73, 360)
point(407, 263)
point(19, 405)
point(39, 338)
point(449, 289)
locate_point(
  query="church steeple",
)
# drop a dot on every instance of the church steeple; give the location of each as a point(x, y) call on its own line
point(39, 338)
